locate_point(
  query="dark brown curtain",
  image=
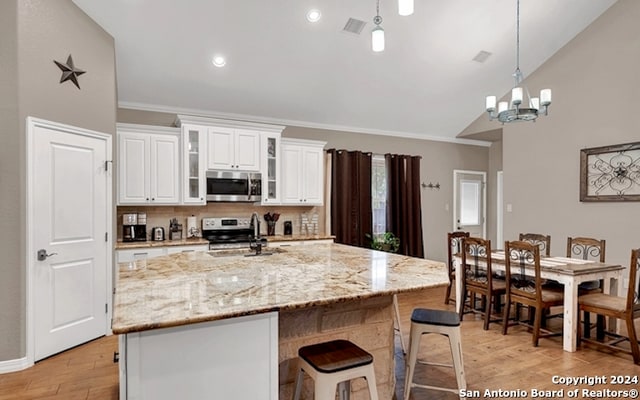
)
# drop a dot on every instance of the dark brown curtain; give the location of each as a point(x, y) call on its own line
point(404, 211)
point(351, 197)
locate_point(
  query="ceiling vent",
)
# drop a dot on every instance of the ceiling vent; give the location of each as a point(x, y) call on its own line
point(354, 26)
point(482, 56)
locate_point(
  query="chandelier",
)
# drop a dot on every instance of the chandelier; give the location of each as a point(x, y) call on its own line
point(520, 108)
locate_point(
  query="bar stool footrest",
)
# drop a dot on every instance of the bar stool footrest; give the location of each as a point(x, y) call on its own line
point(422, 362)
point(442, 389)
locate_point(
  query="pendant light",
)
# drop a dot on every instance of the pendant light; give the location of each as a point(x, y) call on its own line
point(520, 108)
point(405, 7)
point(377, 34)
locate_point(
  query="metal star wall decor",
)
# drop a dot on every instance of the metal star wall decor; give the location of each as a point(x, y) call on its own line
point(69, 71)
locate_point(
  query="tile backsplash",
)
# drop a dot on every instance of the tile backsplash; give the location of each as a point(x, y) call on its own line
point(161, 215)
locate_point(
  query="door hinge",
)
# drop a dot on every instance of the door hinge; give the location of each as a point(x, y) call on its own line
point(106, 236)
point(106, 308)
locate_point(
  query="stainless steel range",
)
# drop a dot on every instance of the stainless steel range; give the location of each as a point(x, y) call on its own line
point(229, 233)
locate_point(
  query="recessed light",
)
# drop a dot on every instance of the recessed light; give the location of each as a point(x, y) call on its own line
point(314, 15)
point(219, 61)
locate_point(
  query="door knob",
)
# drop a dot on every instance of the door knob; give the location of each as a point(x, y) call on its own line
point(42, 255)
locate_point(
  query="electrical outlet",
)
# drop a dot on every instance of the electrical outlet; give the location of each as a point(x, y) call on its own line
point(509, 207)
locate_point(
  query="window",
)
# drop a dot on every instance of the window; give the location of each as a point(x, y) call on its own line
point(470, 202)
point(379, 194)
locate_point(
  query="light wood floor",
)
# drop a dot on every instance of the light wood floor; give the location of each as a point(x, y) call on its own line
point(491, 360)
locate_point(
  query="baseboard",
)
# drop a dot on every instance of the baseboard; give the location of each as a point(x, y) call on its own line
point(14, 365)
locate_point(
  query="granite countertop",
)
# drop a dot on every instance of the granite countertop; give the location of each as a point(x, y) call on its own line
point(193, 287)
point(164, 243)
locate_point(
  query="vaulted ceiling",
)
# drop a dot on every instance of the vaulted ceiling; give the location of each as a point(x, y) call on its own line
point(281, 68)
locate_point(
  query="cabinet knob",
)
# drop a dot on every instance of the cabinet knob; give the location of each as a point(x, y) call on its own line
point(305, 200)
point(147, 199)
point(153, 199)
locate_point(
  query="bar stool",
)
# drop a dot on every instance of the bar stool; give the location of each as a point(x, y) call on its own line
point(332, 364)
point(445, 323)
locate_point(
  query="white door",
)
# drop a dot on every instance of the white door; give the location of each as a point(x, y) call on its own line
point(133, 168)
point(220, 148)
point(313, 178)
point(470, 202)
point(291, 174)
point(165, 169)
point(70, 201)
point(247, 150)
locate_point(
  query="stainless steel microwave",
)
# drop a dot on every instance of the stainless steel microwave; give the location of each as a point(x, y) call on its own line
point(234, 186)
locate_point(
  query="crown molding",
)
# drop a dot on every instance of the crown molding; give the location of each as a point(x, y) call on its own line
point(195, 113)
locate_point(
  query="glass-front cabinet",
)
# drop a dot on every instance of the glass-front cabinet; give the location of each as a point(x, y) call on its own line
point(194, 171)
point(270, 168)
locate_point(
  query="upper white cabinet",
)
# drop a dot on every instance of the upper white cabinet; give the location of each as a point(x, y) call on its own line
point(194, 184)
point(302, 172)
point(233, 149)
point(148, 165)
point(271, 177)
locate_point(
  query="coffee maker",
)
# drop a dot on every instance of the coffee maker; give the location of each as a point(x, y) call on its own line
point(134, 227)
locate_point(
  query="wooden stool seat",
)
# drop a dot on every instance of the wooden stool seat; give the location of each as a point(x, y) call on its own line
point(334, 364)
point(335, 356)
point(447, 323)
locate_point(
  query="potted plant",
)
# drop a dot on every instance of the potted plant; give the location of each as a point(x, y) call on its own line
point(386, 242)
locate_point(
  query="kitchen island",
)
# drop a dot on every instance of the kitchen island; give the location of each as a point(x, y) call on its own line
point(229, 326)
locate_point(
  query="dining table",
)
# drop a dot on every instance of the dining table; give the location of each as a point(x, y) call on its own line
point(570, 272)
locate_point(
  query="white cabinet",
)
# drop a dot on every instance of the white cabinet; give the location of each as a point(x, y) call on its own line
point(148, 165)
point(206, 360)
point(270, 158)
point(130, 255)
point(233, 149)
point(194, 184)
point(302, 172)
point(143, 253)
point(186, 249)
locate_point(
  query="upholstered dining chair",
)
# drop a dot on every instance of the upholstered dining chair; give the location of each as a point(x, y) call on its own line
point(478, 277)
point(624, 308)
point(454, 247)
point(527, 289)
point(587, 249)
point(542, 241)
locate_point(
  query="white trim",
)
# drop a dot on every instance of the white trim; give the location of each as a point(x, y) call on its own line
point(499, 211)
point(14, 365)
point(228, 123)
point(303, 124)
point(148, 129)
point(484, 197)
point(31, 124)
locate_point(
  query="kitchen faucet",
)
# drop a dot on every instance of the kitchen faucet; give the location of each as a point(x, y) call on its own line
point(256, 241)
point(255, 223)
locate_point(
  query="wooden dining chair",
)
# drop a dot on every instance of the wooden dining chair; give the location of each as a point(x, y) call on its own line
point(527, 289)
point(478, 277)
point(454, 247)
point(542, 241)
point(624, 308)
point(587, 249)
